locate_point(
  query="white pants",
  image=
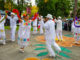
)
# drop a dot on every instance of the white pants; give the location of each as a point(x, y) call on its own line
point(41, 30)
point(13, 31)
point(49, 47)
point(35, 30)
point(59, 34)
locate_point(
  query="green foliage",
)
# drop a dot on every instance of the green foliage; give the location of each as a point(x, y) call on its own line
point(1, 4)
point(54, 7)
point(78, 13)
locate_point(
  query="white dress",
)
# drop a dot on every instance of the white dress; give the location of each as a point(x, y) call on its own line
point(24, 33)
point(76, 32)
point(2, 31)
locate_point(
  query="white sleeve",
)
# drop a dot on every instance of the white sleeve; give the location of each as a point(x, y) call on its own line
point(42, 22)
point(56, 21)
point(9, 17)
point(72, 27)
point(16, 18)
point(46, 26)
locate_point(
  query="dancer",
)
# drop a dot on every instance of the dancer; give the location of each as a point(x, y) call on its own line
point(41, 22)
point(35, 26)
point(59, 28)
point(50, 35)
point(24, 32)
point(76, 30)
point(2, 29)
point(13, 19)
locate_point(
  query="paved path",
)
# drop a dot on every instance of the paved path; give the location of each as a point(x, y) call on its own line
point(10, 51)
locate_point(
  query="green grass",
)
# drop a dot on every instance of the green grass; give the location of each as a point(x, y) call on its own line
point(8, 27)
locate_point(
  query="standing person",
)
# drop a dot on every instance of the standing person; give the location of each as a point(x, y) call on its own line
point(2, 29)
point(59, 28)
point(35, 26)
point(13, 19)
point(76, 31)
point(24, 32)
point(50, 35)
point(41, 22)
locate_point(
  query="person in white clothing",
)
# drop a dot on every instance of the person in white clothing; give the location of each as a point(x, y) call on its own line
point(41, 22)
point(24, 32)
point(2, 29)
point(59, 28)
point(76, 31)
point(35, 26)
point(13, 19)
point(50, 35)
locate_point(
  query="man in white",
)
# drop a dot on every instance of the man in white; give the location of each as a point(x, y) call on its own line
point(50, 35)
point(41, 22)
point(35, 26)
point(13, 19)
point(59, 28)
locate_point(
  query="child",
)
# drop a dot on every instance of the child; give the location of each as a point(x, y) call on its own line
point(24, 32)
point(2, 30)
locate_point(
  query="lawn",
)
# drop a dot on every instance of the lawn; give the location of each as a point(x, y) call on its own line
point(8, 27)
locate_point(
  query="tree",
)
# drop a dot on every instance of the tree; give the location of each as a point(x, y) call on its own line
point(75, 8)
point(34, 9)
point(9, 5)
point(2, 4)
point(54, 7)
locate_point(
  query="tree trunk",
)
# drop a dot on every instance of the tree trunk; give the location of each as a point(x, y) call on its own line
point(75, 8)
point(18, 2)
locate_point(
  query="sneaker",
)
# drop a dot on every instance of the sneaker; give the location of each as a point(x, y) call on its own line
point(13, 40)
point(76, 42)
point(21, 50)
point(50, 56)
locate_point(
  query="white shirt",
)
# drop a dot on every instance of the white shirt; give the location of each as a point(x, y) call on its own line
point(59, 24)
point(12, 21)
point(49, 30)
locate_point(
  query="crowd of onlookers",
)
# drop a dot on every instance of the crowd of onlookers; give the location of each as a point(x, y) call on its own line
point(67, 24)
